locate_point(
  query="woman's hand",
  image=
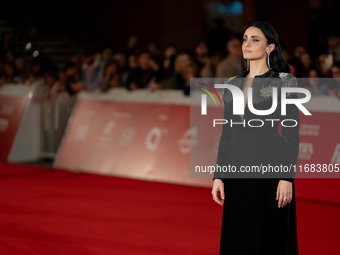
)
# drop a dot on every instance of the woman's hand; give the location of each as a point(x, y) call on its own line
point(284, 189)
point(218, 186)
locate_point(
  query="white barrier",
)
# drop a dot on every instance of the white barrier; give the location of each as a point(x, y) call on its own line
point(21, 136)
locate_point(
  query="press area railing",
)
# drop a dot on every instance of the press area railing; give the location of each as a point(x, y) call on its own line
point(54, 115)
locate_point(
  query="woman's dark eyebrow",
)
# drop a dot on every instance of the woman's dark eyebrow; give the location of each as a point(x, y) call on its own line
point(252, 36)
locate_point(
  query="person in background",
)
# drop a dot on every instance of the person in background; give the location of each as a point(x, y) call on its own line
point(20, 69)
point(45, 91)
point(177, 81)
point(120, 58)
point(156, 66)
point(294, 62)
point(323, 64)
point(107, 54)
point(201, 51)
point(72, 82)
point(9, 76)
point(131, 64)
point(209, 70)
point(111, 77)
point(155, 51)
point(140, 76)
point(168, 65)
point(68, 73)
point(131, 45)
point(288, 58)
point(92, 69)
point(70, 70)
point(10, 56)
point(35, 72)
point(233, 64)
point(312, 83)
point(336, 73)
point(73, 86)
point(190, 71)
point(59, 86)
point(298, 51)
point(334, 84)
point(6, 44)
point(333, 40)
point(336, 76)
point(306, 63)
point(78, 62)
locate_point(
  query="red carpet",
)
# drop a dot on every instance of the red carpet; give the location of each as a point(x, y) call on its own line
point(44, 211)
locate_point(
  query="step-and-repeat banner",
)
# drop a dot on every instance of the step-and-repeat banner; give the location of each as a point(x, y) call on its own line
point(148, 137)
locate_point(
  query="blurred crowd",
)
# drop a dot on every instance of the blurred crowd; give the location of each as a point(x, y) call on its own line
point(170, 67)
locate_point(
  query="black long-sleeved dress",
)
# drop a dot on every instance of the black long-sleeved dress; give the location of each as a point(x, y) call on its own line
point(252, 222)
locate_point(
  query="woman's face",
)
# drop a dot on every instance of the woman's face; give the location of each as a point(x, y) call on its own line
point(325, 61)
point(183, 61)
point(169, 51)
point(201, 49)
point(132, 61)
point(299, 50)
point(305, 59)
point(313, 74)
point(49, 80)
point(313, 78)
point(254, 44)
point(322, 60)
point(190, 72)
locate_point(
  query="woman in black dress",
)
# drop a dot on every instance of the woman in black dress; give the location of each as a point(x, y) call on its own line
point(259, 214)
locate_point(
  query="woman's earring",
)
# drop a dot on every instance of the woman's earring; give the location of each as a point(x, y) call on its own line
point(247, 64)
point(268, 63)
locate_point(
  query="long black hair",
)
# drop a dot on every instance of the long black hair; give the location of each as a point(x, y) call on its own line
point(276, 58)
